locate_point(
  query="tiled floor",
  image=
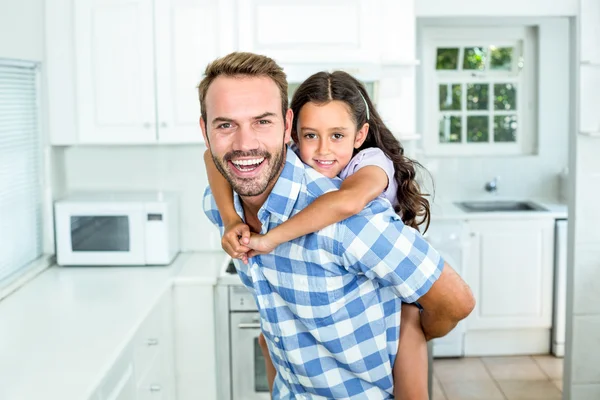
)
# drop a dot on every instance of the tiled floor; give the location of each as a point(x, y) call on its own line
point(498, 378)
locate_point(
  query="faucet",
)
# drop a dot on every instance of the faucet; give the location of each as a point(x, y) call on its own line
point(492, 186)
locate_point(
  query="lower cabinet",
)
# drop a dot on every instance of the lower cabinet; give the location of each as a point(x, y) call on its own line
point(510, 269)
point(145, 368)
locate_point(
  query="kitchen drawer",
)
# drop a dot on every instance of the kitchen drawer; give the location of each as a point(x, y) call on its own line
point(119, 382)
point(151, 338)
point(155, 383)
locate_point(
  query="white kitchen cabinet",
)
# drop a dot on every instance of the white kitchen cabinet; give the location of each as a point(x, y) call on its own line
point(510, 271)
point(331, 31)
point(145, 367)
point(589, 96)
point(195, 341)
point(590, 31)
point(137, 65)
point(114, 58)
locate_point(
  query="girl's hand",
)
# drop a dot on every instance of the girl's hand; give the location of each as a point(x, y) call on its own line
point(236, 235)
point(260, 244)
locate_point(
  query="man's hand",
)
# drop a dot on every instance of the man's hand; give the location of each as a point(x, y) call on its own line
point(235, 239)
point(447, 302)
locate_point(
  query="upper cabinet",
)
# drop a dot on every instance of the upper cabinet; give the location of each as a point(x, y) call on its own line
point(310, 31)
point(136, 66)
point(114, 60)
point(589, 71)
point(590, 31)
point(125, 72)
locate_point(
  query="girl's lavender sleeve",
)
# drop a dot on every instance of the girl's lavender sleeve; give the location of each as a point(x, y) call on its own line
point(376, 157)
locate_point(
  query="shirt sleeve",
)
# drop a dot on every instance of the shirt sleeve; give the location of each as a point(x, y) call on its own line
point(373, 156)
point(210, 208)
point(377, 244)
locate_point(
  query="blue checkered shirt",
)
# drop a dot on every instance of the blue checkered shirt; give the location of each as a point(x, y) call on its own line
point(330, 301)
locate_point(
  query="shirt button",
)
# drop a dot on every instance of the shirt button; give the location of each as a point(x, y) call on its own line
point(287, 369)
point(276, 339)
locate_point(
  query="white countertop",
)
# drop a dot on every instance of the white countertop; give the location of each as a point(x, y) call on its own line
point(82, 317)
point(444, 209)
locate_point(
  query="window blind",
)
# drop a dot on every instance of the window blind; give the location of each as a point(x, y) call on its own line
point(20, 174)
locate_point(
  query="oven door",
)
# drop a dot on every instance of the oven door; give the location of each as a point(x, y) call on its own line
point(94, 235)
point(248, 372)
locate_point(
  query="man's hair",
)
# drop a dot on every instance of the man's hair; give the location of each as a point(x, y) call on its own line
point(240, 64)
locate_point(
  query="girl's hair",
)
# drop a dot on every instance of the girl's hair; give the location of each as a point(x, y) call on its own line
point(323, 87)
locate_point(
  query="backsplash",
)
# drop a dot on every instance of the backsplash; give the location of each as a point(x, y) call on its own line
point(171, 168)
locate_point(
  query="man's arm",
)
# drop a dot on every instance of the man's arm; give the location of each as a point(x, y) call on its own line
point(447, 302)
point(379, 245)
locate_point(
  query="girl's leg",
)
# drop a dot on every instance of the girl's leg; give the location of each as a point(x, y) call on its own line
point(410, 367)
point(268, 363)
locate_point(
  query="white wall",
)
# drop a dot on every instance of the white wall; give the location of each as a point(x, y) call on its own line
point(22, 29)
point(531, 176)
point(171, 168)
point(505, 8)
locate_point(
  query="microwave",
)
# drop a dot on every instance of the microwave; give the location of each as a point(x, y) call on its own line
point(139, 228)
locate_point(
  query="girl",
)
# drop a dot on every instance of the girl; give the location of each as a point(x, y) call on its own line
point(338, 132)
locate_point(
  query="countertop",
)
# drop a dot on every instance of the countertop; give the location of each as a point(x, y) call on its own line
point(445, 209)
point(83, 316)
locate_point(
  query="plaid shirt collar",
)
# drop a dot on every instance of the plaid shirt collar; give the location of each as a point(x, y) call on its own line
point(284, 194)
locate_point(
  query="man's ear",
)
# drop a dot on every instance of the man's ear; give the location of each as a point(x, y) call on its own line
point(204, 133)
point(289, 119)
point(361, 136)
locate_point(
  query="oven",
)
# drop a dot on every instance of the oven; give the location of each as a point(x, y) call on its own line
point(241, 372)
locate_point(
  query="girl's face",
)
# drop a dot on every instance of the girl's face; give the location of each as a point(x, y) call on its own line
point(327, 136)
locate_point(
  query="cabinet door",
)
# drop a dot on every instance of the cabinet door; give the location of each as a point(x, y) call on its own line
point(189, 35)
point(114, 60)
point(510, 271)
point(590, 31)
point(119, 382)
point(311, 30)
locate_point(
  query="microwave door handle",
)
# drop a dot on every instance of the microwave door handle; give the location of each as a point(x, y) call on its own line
point(254, 325)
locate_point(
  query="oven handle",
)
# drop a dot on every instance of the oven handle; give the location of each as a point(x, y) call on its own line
point(254, 325)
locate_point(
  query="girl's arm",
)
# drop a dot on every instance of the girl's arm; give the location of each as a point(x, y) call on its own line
point(355, 193)
point(234, 228)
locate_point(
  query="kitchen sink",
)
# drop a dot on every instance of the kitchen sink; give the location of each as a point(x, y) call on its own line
point(499, 206)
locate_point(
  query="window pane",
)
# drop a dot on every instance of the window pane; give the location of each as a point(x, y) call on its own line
point(21, 197)
point(292, 87)
point(505, 96)
point(501, 58)
point(505, 128)
point(447, 59)
point(450, 129)
point(477, 96)
point(450, 95)
point(474, 58)
point(477, 129)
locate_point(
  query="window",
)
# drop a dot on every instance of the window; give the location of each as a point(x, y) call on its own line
point(20, 172)
point(478, 91)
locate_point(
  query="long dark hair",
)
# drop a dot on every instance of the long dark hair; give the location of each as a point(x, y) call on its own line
point(324, 87)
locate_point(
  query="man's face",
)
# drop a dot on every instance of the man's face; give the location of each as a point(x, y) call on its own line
point(246, 132)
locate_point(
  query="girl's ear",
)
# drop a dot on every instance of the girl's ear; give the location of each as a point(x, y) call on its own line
point(361, 135)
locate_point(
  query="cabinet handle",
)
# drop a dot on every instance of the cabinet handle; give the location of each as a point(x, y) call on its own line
point(152, 342)
point(249, 326)
point(147, 125)
point(473, 234)
point(155, 388)
point(163, 124)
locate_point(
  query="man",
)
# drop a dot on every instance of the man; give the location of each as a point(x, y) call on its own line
point(329, 301)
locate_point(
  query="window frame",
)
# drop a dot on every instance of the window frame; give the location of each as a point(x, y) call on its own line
point(44, 260)
point(526, 110)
